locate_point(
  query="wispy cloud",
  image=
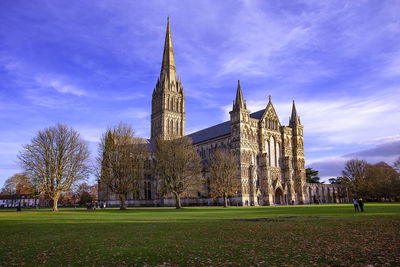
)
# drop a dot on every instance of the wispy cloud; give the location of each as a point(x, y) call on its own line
point(338, 60)
point(314, 149)
point(60, 86)
point(90, 134)
point(135, 113)
point(344, 120)
point(127, 97)
point(332, 166)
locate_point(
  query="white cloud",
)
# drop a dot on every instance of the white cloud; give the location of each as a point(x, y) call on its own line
point(360, 120)
point(131, 96)
point(90, 134)
point(315, 149)
point(386, 139)
point(60, 86)
point(332, 166)
point(343, 120)
point(135, 113)
point(392, 67)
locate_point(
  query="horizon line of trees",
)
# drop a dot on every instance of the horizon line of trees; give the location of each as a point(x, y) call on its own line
point(378, 181)
point(56, 164)
point(57, 161)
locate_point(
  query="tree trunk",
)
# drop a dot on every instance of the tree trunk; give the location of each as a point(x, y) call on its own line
point(178, 201)
point(122, 197)
point(55, 202)
point(225, 201)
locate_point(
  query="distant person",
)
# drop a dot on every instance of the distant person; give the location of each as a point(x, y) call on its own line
point(361, 204)
point(355, 203)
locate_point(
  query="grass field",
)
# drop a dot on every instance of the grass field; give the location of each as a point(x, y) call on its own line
point(297, 235)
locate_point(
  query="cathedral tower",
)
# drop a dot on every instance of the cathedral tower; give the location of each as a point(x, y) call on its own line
point(240, 117)
point(298, 154)
point(168, 100)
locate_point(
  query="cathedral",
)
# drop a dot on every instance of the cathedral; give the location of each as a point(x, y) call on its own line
point(271, 155)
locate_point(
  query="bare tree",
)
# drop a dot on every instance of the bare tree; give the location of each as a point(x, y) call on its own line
point(354, 172)
point(355, 169)
point(121, 159)
point(55, 159)
point(19, 183)
point(224, 175)
point(178, 167)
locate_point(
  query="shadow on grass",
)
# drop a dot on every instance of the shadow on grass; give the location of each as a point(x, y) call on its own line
point(291, 240)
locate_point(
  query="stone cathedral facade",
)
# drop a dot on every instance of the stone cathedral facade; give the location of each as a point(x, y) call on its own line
point(272, 165)
point(271, 155)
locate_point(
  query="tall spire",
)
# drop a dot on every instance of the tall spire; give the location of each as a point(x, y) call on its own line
point(168, 69)
point(294, 119)
point(239, 103)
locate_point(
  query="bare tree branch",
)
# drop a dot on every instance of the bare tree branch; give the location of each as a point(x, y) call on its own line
point(224, 175)
point(55, 159)
point(121, 159)
point(178, 167)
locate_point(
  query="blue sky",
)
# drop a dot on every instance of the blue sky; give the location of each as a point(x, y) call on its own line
point(92, 64)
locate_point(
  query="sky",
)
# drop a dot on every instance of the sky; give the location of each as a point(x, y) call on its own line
point(93, 64)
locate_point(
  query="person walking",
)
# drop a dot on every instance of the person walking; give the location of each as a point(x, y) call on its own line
point(361, 204)
point(355, 203)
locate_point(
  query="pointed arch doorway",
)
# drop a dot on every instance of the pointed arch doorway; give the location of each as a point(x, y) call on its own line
point(279, 196)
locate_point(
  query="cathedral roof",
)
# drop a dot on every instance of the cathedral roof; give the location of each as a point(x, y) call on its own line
point(218, 130)
point(211, 132)
point(258, 114)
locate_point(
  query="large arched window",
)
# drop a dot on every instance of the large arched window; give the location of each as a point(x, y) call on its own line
point(277, 154)
point(272, 151)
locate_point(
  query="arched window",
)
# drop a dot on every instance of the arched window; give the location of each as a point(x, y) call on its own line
point(277, 154)
point(272, 151)
point(168, 106)
point(168, 126)
point(177, 127)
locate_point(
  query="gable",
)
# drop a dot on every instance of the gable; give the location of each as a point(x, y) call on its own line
point(270, 114)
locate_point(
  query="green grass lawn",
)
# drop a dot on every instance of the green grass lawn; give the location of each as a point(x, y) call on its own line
point(297, 235)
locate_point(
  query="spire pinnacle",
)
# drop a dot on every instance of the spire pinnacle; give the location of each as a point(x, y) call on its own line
point(168, 69)
point(294, 119)
point(239, 103)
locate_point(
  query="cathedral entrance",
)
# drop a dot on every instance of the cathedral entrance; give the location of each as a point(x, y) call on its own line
point(279, 197)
